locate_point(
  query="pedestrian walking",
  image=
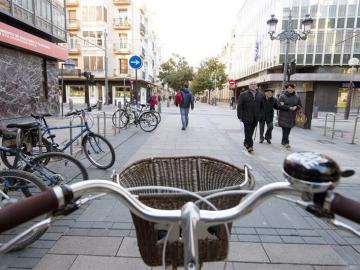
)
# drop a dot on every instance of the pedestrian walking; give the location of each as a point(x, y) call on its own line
point(153, 101)
point(288, 104)
point(184, 99)
point(270, 103)
point(249, 111)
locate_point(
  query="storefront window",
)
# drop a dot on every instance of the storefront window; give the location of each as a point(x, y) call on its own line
point(121, 92)
point(343, 94)
point(77, 91)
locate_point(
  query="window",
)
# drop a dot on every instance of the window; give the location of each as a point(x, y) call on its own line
point(346, 58)
point(327, 59)
point(329, 43)
point(351, 10)
point(350, 23)
point(93, 37)
point(44, 80)
point(348, 41)
point(309, 58)
point(341, 23)
point(77, 91)
point(5, 5)
point(338, 41)
point(300, 59)
point(26, 4)
point(332, 11)
point(124, 68)
point(72, 15)
point(310, 42)
point(331, 23)
point(318, 59)
point(93, 63)
point(336, 59)
point(43, 9)
point(321, 23)
point(75, 60)
point(358, 22)
point(320, 42)
point(94, 13)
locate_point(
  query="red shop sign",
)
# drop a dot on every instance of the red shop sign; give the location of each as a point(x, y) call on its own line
point(21, 39)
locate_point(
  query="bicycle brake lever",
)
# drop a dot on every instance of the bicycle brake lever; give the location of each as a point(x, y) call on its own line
point(344, 226)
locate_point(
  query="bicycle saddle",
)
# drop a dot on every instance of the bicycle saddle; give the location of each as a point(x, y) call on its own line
point(23, 125)
point(312, 172)
point(40, 116)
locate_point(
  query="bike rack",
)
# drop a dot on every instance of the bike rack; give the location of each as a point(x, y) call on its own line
point(98, 122)
point(71, 132)
point(326, 120)
point(354, 132)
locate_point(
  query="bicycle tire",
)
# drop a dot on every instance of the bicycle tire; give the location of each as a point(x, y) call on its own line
point(148, 122)
point(11, 162)
point(58, 168)
point(120, 119)
point(37, 182)
point(158, 116)
point(92, 140)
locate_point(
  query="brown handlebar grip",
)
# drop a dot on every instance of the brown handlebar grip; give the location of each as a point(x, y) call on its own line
point(346, 208)
point(27, 209)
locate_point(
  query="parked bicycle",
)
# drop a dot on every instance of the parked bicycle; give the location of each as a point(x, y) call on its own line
point(97, 149)
point(54, 168)
point(311, 177)
point(147, 120)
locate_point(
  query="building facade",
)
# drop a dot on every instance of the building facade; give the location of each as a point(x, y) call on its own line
point(128, 31)
point(322, 59)
point(29, 31)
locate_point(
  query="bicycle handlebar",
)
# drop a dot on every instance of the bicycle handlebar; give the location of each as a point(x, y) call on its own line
point(345, 207)
point(27, 209)
point(78, 112)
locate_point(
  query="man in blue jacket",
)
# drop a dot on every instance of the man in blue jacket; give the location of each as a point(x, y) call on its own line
point(187, 102)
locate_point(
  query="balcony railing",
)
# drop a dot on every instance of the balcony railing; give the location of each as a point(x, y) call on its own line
point(121, 23)
point(122, 2)
point(142, 29)
point(122, 48)
point(73, 24)
point(74, 48)
point(72, 3)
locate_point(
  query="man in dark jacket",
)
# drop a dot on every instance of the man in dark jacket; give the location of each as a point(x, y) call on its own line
point(249, 111)
point(188, 101)
point(270, 103)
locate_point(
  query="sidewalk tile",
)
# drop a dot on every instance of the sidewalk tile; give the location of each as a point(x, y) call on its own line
point(357, 247)
point(249, 238)
point(270, 239)
point(266, 231)
point(314, 240)
point(55, 262)
point(87, 245)
point(247, 252)
point(240, 230)
point(348, 254)
point(292, 239)
point(108, 263)
point(287, 232)
point(303, 254)
point(263, 266)
point(129, 248)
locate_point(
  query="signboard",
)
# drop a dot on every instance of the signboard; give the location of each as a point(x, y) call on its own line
point(18, 38)
point(135, 62)
point(69, 64)
point(232, 82)
point(143, 95)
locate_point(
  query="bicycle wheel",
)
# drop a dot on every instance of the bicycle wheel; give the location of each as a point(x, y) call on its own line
point(57, 168)
point(12, 162)
point(120, 119)
point(148, 121)
point(98, 151)
point(15, 185)
point(158, 116)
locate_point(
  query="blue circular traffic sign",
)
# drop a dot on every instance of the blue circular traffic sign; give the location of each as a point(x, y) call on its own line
point(135, 62)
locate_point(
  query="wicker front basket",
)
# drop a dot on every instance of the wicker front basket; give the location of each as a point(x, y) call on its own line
point(194, 173)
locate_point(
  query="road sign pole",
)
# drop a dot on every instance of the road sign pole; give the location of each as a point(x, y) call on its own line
point(135, 88)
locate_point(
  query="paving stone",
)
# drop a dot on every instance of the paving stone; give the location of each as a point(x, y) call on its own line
point(55, 262)
point(77, 232)
point(51, 236)
point(307, 233)
point(98, 232)
point(303, 254)
point(132, 233)
point(32, 252)
point(350, 267)
point(263, 266)
point(247, 252)
point(292, 239)
point(357, 247)
point(234, 238)
point(108, 263)
point(57, 229)
point(290, 232)
point(83, 224)
point(87, 245)
point(43, 244)
point(64, 222)
point(348, 254)
point(314, 240)
point(270, 239)
point(337, 239)
point(122, 226)
point(102, 225)
point(23, 263)
point(240, 230)
point(353, 240)
point(266, 231)
point(249, 238)
point(119, 233)
point(129, 248)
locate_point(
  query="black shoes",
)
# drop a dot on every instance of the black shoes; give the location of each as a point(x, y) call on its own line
point(268, 141)
point(250, 149)
point(183, 128)
point(261, 140)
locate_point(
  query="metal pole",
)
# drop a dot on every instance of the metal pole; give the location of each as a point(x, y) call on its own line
point(333, 131)
point(287, 47)
point(349, 97)
point(62, 89)
point(135, 87)
point(354, 132)
point(106, 70)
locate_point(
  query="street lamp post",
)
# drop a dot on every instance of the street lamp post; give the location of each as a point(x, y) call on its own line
point(353, 62)
point(289, 35)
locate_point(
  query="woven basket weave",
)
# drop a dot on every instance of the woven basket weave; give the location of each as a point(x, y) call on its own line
point(194, 173)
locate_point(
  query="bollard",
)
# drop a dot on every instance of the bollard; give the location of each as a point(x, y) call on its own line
point(315, 112)
point(40, 140)
point(333, 129)
point(98, 122)
point(168, 104)
point(99, 105)
point(71, 132)
point(115, 123)
point(71, 105)
point(354, 132)
point(159, 107)
point(119, 105)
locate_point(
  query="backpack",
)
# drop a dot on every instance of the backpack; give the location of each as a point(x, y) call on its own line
point(179, 98)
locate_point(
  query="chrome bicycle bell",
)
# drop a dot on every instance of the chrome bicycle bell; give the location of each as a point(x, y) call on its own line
point(312, 172)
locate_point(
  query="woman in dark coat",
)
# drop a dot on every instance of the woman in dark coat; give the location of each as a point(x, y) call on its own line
point(288, 104)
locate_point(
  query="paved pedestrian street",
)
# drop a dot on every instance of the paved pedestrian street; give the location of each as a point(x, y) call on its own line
point(276, 235)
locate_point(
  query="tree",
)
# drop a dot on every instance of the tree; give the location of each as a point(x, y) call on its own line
point(175, 72)
point(210, 75)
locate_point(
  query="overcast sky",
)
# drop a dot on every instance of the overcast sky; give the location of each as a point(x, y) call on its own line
point(195, 29)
